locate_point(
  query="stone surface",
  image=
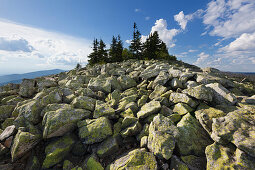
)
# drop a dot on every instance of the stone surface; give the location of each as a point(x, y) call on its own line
point(61, 121)
point(135, 159)
point(221, 95)
point(162, 137)
point(182, 98)
point(149, 109)
point(227, 157)
point(193, 138)
point(182, 108)
point(100, 84)
point(237, 127)
point(94, 130)
point(57, 150)
point(6, 111)
point(84, 102)
point(27, 88)
point(108, 148)
point(103, 109)
point(200, 92)
point(10, 130)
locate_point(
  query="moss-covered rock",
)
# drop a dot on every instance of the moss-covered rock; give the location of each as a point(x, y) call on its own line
point(176, 83)
point(100, 84)
point(93, 164)
point(221, 95)
point(27, 88)
point(109, 147)
point(94, 130)
point(25, 141)
point(61, 121)
point(57, 150)
point(84, 102)
point(132, 130)
point(126, 100)
point(6, 111)
point(161, 79)
point(54, 96)
point(182, 98)
point(158, 91)
point(236, 127)
point(7, 122)
point(177, 164)
point(162, 137)
point(103, 109)
point(136, 159)
point(182, 108)
point(200, 92)
point(126, 82)
point(193, 138)
point(205, 114)
point(227, 157)
point(149, 109)
point(67, 165)
point(142, 101)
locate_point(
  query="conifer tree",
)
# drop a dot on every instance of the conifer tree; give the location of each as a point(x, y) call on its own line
point(136, 44)
point(102, 52)
point(119, 49)
point(113, 50)
point(94, 57)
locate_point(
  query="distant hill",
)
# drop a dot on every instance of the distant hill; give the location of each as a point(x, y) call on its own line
point(17, 78)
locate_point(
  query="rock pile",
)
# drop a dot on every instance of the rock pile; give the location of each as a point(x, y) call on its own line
point(129, 115)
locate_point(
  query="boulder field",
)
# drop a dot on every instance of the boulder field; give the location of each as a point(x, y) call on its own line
point(131, 115)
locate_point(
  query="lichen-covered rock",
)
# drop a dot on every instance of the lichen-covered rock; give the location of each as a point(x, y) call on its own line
point(194, 162)
point(25, 140)
point(227, 157)
point(158, 91)
point(126, 100)
point(54, 96)
point(67, 165)
point(94, 130)
point(176, 83)
point(149, 109)
point(177, 164)
point(57, 150)
point(93, 164)
point(84, 102)
point(142, 101)
point(182, 108)
point(7, 122)
point(182, 98)
point(46, 82)
point(162, 137)
point(126, 82)
point(174, 73)
point(193, 138)
point(61, 121)
point(200, 92)
point(205, 114)
point(100, 84)
point(6, 111)
point(31, 111)
point(136, 159)
point(161, 79)
point(108, 147)
point(221, 95)
point(236, 127)
point(131, 130)
point(27, 88)
point(149, 73)
point(55, 107)
point(103, 109)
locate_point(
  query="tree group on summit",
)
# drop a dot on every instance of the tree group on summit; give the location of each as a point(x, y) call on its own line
point(152, 48)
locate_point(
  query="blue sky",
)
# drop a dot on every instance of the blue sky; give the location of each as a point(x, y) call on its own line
point(47, 34)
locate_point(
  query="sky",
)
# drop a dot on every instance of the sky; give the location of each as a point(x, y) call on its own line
point(58, 34)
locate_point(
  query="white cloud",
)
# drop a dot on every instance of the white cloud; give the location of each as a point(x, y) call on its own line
point(147, 18)
point(230, 19)
point(183, 19)
point(202, 57)
point(36, 49)
point(192, 51)
point(137, 10)
point(14, 44)
point(166, 35)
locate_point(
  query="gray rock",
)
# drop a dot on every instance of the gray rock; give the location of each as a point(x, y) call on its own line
point(182, 98)
point(200, 92)
point(27, 88)
point(149, 109)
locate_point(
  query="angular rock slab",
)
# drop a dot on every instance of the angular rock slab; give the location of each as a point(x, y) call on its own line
point(84, 102)
point(136, 159)
point(237, 127)
point(227, 157)
point(221, 95)
point(57, 150)
point(94, 130)
point(149, 109)
point(162, 137)
point(57, 123)
point(182, 98)
point(103, 109)
point(100, 84)
point(205, 114)
point(193, 138)
point(200, 92)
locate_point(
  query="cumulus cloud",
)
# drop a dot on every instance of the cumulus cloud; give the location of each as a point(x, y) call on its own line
point(137, 10)
point(22, 45)
point(202, 57)
point(230, 19)
point(183, 19)
point(166, 35)
point(14, 44)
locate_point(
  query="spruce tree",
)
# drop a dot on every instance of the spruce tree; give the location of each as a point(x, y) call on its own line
point(136, 44)
point(113, 50)
point(119, 49)
point(102, 52)
point(94, 57)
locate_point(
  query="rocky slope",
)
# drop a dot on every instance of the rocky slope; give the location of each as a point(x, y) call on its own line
point(129, 115)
